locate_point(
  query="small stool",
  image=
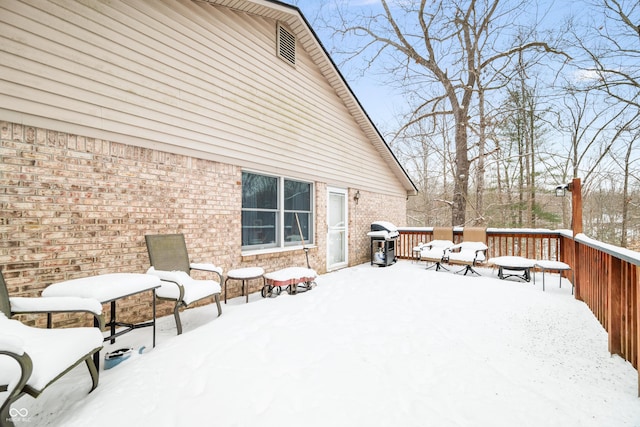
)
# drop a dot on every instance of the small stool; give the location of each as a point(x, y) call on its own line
point(415, 253)
point(558, 266)
point(243, 274)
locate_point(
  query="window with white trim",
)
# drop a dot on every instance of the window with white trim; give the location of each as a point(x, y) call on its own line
point(275, 212)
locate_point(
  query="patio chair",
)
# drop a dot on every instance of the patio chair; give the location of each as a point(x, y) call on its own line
point(48, 305)
point(33, 358)
point(471, 252)
point(434, 252)
point(170, 261)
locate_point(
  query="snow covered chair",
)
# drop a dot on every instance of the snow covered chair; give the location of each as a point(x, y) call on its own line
point(39, 305)
point(435, 251)
point(471, 252)
point(33, 358)
point(170, 261)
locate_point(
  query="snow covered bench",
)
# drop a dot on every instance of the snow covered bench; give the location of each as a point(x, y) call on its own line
point(33, 358)
point(288, 278)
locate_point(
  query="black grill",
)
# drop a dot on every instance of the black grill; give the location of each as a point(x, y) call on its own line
point(383, 243)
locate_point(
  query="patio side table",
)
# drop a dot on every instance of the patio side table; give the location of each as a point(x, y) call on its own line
point(244, 275)
point(558, 266)
point(108, 288)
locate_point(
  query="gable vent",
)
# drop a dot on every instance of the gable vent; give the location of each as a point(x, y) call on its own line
point(286, 45)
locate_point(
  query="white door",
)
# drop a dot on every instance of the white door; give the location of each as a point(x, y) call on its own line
point(337, 248)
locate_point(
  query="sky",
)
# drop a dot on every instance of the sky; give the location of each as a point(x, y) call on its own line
point(440, 349)
point(383, 103)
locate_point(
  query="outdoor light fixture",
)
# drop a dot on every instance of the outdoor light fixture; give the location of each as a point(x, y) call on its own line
point(561, 190)
point(356, 196)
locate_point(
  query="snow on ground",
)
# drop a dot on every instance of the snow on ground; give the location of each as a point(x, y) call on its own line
point(369, 346)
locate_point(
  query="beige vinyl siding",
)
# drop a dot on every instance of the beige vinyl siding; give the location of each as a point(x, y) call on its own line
point(185, 77)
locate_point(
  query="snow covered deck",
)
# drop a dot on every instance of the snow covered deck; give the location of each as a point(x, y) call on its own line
point(369, 346)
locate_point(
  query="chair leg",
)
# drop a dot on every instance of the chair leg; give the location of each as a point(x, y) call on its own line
point(176, 315)
point(4, 414)
point(26, 368)
point(217, 297)
point(93, 370)
point(468, 269)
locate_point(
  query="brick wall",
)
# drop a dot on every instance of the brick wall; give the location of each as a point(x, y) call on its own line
point(371, 207)
point(72, 207)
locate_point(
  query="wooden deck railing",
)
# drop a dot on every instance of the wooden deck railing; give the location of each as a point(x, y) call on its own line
point(606, 277)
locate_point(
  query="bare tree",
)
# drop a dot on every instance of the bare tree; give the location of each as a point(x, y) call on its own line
point(449, 43)
point(611, 45)
point(614, 50)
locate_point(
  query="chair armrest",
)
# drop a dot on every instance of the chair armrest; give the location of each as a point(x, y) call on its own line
point(13, 347)
point(48, 305)
point(175, 277)
point(207, 267)
point(55, 305)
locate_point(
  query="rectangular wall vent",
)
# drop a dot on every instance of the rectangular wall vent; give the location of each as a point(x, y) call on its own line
point(286, 45)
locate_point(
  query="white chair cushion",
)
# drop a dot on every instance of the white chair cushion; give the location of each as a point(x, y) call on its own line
point(51, 350)
point(468, 252)
point(206, 267)
point(54, 304)
point(432, 254)
point(194, 290)
point(440, 244)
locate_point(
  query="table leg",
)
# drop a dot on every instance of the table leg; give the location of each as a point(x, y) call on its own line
point(154, 317)
point(96, 355)
point(113, 321)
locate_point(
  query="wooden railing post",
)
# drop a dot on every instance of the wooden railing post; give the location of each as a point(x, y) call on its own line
point(614, 309)
point(576, 226)
point(636, 286)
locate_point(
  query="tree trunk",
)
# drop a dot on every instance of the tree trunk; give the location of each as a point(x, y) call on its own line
point(461, 183)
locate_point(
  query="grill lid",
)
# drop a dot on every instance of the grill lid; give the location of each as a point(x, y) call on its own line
point(383, 226)
point(383, 229)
